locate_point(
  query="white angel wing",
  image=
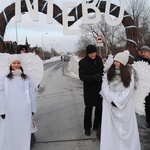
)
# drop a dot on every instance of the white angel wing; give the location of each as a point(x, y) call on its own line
point(108, 62)
point(33, 66)
point(31, 63)
point(4, 63)
point(143, 86)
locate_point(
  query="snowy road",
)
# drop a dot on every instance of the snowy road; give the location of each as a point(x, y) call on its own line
point(59, 114)
point(60, 110)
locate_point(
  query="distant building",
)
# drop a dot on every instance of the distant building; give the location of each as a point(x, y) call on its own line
point(8, 47)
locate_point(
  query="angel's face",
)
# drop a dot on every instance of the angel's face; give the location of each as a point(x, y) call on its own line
point(117, 64)
point(16, 64)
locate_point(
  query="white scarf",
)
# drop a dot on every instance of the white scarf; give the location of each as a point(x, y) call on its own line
point(115, 84)
point(17, 72)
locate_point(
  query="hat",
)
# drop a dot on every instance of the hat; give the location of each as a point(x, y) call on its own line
point(145, 48)
point(122, 57)
point(19, 47)
point(90, 49)
point(13, 58)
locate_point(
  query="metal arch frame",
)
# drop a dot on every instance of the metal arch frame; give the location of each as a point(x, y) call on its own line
point(128, 23)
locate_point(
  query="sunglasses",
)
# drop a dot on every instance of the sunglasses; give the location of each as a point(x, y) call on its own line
point(23, 49)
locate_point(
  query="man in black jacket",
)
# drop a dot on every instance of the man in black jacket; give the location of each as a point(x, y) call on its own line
point(90, 72)
point(138, 55)
point(145, 52)
point(145, 56)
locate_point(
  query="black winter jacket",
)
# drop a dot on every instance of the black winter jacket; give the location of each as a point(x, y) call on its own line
point(87, 69)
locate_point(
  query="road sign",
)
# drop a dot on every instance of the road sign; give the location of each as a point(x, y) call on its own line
point(99, 44)
point(99, 39)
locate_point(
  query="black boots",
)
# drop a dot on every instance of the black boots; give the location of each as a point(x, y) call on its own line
point(87, 132)
point(148, 125)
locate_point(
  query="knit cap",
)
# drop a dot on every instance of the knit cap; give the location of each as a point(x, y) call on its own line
point(13, 57)
point(90, 49)
point(145, 48)
point(122, 57)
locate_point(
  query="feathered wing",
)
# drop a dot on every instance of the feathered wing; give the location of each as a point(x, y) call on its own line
point(33, 66)
point(4, 63)
point(31, 63)
point(143, 86)
point(108, 62)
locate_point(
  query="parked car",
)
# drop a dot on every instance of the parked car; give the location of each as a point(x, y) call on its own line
point(66, 58)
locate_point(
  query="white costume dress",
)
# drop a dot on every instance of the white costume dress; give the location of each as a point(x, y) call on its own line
point(119, 129)
point(17, 102)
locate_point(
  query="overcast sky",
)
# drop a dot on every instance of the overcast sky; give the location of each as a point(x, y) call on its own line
point(34, 31)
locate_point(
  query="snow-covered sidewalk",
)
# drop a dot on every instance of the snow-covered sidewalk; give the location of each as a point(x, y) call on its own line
point(71, 68)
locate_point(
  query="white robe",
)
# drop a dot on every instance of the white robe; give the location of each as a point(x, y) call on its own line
point(119, 129)
point(17, 102)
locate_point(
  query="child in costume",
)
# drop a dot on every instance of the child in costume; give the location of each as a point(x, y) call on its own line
point(17, 102)
point(119, 130)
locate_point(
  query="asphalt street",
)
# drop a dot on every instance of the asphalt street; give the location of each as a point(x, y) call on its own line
point(59, 116)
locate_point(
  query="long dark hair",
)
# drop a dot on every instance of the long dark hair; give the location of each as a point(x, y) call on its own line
point(125, 74)
point(10, 75)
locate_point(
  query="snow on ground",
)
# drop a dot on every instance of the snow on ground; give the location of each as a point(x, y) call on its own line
point(51, 60)
point(71, 68)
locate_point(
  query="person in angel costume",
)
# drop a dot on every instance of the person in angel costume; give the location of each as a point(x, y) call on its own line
point(119, 124)
point(17, 99)
point(20, 50)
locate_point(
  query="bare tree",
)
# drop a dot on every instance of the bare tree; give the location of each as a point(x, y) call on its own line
point(140, 13)
point(84, 41)
point(82, 44)
point(109, 33)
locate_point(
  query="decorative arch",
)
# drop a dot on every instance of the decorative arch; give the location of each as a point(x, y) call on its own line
point(128, 23)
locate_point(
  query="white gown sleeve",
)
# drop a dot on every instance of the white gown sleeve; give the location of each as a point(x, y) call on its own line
point(32, 96)
point(120, 98)
point(2, 97)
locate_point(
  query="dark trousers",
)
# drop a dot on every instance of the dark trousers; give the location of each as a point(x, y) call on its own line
point(88, 117)
point(33, 140)
point(147, 108)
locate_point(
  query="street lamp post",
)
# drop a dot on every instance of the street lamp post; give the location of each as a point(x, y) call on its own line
point(52, 47)
point(16, 32)
point(52, 42)
point(43, 43)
